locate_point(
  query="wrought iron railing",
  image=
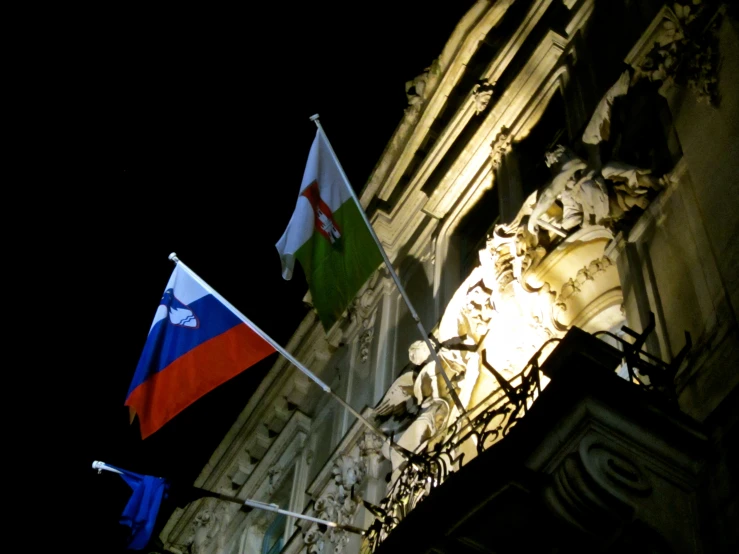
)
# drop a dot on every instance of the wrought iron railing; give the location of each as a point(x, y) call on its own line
point(493, 418)
point(467, 437)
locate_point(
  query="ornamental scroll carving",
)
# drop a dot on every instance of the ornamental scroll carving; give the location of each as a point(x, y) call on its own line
point(597, 486)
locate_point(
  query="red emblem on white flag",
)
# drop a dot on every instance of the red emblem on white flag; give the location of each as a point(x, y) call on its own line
point(324, 217)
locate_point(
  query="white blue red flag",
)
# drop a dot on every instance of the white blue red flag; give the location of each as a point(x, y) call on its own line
point(195, 344)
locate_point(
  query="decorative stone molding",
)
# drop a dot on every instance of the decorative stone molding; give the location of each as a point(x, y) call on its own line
point(369, 448)
point(681, 47)
point(365, 342)
point(340, 496)
point(597, 485)
point(205, 532)
point(574, 285)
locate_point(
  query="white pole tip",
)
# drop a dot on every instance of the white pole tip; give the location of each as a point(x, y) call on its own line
point(173, 257)
point(314, 117)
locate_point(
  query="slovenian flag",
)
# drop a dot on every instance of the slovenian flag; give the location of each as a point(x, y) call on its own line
point(195, 343)
point(329, 237)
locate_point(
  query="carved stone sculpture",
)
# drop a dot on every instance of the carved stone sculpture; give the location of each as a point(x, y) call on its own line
point(587, 196)
point(415, 89)
point(482, 92)
point(340, 500)
point(580, 191)
point(684, 49)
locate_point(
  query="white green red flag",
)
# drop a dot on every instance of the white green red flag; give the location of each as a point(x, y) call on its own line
point(328, 236)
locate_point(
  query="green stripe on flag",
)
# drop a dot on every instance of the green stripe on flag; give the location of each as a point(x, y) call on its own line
point(335, 273)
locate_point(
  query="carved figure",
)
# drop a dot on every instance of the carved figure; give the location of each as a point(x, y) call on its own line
point(579, 189)
point(416, 88)
point(413, 405)
point(482, 92)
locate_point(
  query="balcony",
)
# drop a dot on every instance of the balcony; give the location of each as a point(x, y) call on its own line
point(591, 462)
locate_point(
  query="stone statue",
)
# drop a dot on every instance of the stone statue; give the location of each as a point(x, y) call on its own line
point(599, 127)
point(577, 187)
point(416, 406)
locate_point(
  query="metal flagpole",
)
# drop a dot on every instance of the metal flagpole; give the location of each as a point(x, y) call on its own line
point(414, 315)
point(287, 355)
point(101, 466)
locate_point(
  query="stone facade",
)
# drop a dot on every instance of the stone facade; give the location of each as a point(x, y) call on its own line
point(559, 164)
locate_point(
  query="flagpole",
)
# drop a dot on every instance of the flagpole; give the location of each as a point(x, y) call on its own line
point(101, 466)
point(286, 354)
point(414, 315)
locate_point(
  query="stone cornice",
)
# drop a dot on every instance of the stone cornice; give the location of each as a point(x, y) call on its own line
point(458, 50)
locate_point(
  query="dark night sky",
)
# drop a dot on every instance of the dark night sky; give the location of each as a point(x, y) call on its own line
point(187, 130)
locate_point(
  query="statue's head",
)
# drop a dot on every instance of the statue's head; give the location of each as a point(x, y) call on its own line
point(418, 352)
point(558, 156)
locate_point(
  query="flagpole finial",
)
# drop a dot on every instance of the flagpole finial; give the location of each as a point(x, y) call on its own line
point(173, 257)
point(314, 117)
point(102, 466)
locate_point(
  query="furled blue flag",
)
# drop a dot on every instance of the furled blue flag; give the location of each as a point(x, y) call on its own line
point(140, 514)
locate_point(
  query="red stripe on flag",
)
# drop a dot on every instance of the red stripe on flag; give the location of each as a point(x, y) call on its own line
point(167, 393)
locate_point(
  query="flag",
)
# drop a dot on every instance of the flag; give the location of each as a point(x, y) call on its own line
point(328, 236)
point(195, 343)
point(140, 513)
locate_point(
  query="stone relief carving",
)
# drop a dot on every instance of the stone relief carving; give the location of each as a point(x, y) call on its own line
point(369, 450)
point(574, 285)
point(205, 528)
point(482, 92)
point(501, 146)
point(685, 49)
point(586, 196)
point(274, 475)
point(341, 499)
point(365, 342)
point(244, 468)
point(416, 89)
